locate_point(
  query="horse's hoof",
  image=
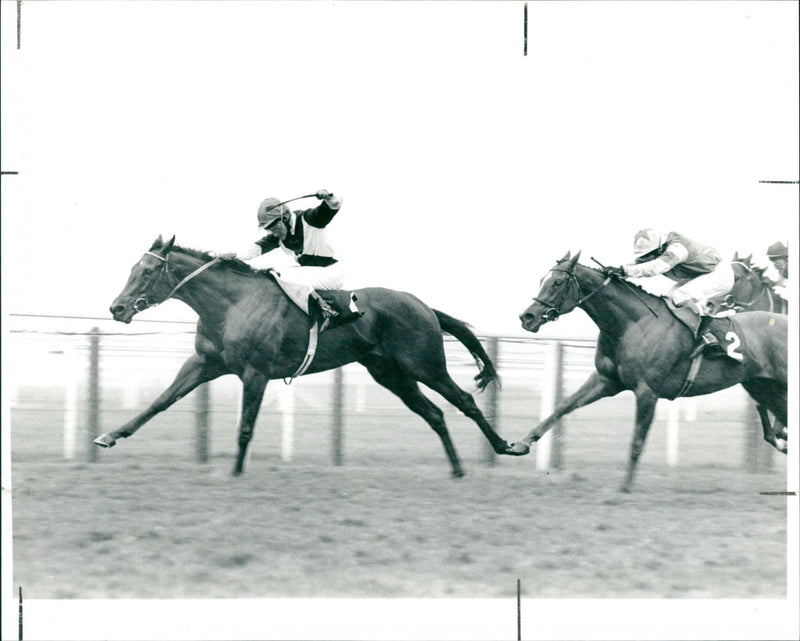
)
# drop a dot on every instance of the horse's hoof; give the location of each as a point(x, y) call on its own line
point(457, 474)
point(104, 440)
point(518, 449)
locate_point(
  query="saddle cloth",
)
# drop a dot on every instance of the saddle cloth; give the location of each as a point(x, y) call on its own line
point(728, 330)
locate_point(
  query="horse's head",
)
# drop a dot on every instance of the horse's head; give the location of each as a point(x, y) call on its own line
point(147, 285)
point(749, 283)
point(559, 293)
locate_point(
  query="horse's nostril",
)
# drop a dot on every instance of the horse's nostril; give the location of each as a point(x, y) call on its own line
point(116, 309)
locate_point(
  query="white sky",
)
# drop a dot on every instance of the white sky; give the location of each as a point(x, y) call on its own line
point(467, 168)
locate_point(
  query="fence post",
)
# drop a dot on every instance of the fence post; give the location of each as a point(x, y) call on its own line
point(71, 392)
point(492, 406)
point(337, 431)
point(202, 402)
point(757, 453)
point(673, 432)
point(286, 404)
point(93, 428)
point(549, 449)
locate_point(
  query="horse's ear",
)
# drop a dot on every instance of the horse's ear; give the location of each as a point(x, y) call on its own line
point(574, 259)
point(566, 257)
point(169, 244)
point(157, 243)
point(749, 259)
point(735, 256)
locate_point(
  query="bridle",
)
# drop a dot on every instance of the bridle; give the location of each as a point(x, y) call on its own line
point(143, 301)
point(552, 311)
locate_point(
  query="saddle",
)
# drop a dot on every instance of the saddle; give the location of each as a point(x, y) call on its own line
point(343, 303)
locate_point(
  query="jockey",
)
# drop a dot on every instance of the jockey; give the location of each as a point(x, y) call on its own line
point(698, 271)
point(778, 255)
point(302, 235)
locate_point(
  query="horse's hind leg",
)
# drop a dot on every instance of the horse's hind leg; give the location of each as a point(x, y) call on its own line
point(645, 410)
point(770, 396)
point(447, 387)
point(253, 383)
point(195, 371)
point(406, 388)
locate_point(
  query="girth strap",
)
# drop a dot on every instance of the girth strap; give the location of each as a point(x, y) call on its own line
point(692, 375)
point(313, 337)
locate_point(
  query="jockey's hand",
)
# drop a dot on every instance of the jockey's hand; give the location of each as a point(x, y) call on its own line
point(324, 194)
point(614, 271)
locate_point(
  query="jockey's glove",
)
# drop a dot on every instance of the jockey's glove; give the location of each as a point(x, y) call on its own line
point(614, 271)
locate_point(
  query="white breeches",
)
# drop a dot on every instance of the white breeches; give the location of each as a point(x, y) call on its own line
point(697, 291)
point(299, 282)
point(331, 277)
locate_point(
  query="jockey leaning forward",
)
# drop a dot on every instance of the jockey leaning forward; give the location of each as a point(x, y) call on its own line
point(302, 235)
point(697, 269)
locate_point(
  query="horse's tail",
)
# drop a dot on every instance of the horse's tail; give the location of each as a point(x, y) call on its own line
point(461, 331)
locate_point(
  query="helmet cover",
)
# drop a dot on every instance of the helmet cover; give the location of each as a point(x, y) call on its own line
point(271, 210)
point(647, 240)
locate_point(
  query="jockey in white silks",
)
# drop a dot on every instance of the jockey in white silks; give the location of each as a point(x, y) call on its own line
point(302, 235)
point(698, 271)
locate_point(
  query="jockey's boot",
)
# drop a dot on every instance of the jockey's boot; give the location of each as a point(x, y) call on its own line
point(704, 338)
point(326, 312)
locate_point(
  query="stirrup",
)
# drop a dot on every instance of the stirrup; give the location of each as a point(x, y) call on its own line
point(706, 340)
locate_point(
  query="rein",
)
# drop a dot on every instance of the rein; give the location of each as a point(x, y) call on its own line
point(143, 303)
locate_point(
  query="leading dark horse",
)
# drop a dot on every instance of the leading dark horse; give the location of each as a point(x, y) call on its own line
point(643, 347)
point(250, 328)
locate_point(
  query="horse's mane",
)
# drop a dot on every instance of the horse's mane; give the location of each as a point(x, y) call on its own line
point(628, 285)
point(233, 263)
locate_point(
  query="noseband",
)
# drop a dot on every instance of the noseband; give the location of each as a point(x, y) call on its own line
point(143, 302)
point(552, 310)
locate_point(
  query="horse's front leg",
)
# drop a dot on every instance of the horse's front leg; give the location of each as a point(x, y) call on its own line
point(596, 387)
point(196, 370)
point(645, 411)
point(254, 383)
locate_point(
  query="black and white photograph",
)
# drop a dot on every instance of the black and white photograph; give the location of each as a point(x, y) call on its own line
point(400, 319)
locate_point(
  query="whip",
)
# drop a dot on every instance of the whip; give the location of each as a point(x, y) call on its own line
point(291, 200)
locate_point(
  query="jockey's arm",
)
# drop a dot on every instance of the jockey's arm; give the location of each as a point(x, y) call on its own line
point(323, 213)
point(255, 249)
point(674, 255)
point(246, 253)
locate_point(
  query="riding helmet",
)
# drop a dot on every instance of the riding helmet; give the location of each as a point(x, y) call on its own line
point(271, 210)
point(646, 241)
point(777, 250)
